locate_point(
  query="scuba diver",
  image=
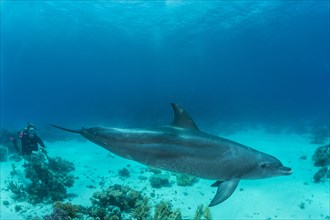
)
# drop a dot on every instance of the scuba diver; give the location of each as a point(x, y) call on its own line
point(28, 141)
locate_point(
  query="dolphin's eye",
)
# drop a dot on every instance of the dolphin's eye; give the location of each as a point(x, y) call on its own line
point(263, 165)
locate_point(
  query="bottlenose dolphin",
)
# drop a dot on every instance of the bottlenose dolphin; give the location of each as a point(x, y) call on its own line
point(181, 147)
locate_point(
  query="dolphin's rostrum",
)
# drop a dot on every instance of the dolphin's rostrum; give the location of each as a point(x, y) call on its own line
point(182, 147)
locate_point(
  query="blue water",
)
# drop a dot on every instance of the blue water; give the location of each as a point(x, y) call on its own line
point(122, 63)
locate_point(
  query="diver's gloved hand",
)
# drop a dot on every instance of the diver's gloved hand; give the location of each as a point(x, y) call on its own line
point(42, 149)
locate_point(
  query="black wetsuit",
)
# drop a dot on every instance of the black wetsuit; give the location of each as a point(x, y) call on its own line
point(30, 144)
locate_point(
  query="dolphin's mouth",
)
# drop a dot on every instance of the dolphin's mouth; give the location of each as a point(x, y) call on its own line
point(285, 170)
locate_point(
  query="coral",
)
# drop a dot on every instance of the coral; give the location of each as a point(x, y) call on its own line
point(114, 217)
point(113, 213)
point(109, 212)
point(71, 210)
point(163, 210)
point(116, 199)
point(117, 195)
point(18, 190)
point(49, 180)
point(97, 212)
point(155, 170)
point(124, 172)
point(60, 165)
point(58, 214)
point(207, 213)
point(185, 180)
point(3, 153)
point(115, 203)
point(111, 218)
point(321, 156)
point(159, 180)
point(321, 175)
point(302, 205)
point(321, 159)
point(202, 214)
point(18, 208)
point(110, 196)
point(5, 203)
point(141, 210)
point(199, 212)
point(142, 177)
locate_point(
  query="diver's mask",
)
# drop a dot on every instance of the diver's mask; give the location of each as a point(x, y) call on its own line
point(31, 132)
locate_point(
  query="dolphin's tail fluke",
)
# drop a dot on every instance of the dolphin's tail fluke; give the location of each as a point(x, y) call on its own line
point(66, 129)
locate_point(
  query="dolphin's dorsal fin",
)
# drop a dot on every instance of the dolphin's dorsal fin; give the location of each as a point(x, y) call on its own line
point(181, 118)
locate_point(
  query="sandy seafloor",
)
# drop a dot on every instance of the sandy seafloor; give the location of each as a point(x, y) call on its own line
point(272, 198)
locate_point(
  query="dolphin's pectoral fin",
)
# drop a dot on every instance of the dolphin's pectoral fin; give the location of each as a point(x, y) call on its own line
point(217, 183)
point(225, 189)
